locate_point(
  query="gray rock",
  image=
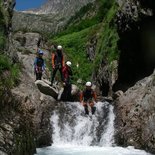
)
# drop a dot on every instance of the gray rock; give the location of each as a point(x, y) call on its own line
point(2, 153)
point(46, 89)
point(117, 94)
point(27, 42)
point(54, 91)
point(105, 77)
point(135, 111)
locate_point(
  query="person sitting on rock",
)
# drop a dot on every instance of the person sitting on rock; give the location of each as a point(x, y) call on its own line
point(39, 65)
point(57, 62)
point(67, 73)
point(87, 98)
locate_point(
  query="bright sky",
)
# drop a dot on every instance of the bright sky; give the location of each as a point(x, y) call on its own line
point(28, 4)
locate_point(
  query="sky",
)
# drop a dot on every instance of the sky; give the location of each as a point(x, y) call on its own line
point(22, 5)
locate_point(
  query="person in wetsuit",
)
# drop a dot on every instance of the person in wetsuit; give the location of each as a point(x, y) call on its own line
point(57, 62)
point(87, 98)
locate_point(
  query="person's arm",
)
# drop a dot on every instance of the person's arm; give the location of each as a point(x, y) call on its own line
point(35, 62)
point(81, 97)
point(35, 65)
point(53, 57)
point(95, 96)
point(63, 61)
point(43, 66)
point(70, 72)
point(64, 74)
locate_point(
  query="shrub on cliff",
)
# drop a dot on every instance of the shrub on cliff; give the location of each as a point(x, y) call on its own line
point(9, 73)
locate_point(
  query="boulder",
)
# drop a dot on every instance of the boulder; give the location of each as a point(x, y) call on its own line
point(56, 90)
point(46, 89)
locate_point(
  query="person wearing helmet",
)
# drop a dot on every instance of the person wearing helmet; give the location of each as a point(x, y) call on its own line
point(39, 64)
point(87, 98)
point(57, 62)
point(67, 73)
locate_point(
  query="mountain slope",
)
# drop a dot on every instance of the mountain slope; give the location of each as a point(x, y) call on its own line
point(50, 18)
point(65, 8)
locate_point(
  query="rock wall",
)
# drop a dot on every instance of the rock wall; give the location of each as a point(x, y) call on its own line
point(7, 13)
point(135, 23)
point(135, 108)
point(135, 113)
point(37, 105)
point(25, 112)
point(7, 10)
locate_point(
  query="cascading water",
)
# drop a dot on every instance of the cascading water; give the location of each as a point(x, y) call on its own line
point(74, 133)
point(71, 126)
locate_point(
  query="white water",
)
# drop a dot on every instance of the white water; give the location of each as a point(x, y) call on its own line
point(77, 134)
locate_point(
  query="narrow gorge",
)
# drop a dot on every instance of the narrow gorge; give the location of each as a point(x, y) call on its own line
point(110, 43)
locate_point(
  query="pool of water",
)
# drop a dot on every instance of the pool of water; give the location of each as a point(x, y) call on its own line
point(89, 150)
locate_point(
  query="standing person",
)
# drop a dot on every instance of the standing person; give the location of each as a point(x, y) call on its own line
point(67, 73)
point(57, 62)
point(39, 65)
point(87, 98)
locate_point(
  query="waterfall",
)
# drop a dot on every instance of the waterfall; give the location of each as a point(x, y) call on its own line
point(75, 133)
point(71, 126)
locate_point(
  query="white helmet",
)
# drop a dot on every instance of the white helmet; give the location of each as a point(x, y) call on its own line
point(88, 84)
point(68, 63)
point(59, 47)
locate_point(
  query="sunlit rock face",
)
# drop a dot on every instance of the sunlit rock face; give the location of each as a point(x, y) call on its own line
point(61, 7)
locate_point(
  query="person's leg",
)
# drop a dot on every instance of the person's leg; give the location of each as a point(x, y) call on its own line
point(40, 75)
point(86, 109)
point(69, 95)
point(37, 76)
point(64, 95)
point(53, 75)
point(93, 109)
point(60, 70)
point(91, 104)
